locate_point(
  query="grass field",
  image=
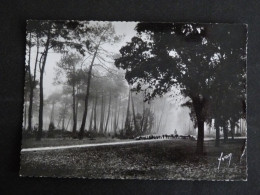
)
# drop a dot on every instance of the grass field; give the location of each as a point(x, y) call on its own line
point(162, 159)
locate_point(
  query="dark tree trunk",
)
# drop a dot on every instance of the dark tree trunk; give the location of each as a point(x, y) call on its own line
point(225, 131)
point(31, 85)
point(82, 128)
point(39, 133)
point(199, 104)
point(30, 111)
point(200, 140)
point(217, 133)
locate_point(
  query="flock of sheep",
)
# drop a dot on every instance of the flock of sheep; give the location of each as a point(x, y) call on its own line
point(166, 136)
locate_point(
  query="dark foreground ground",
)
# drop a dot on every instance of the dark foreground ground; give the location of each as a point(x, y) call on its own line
point(162, 159)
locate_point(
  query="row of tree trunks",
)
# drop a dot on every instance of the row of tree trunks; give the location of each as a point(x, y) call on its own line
point(225, 131)
point(82, 128)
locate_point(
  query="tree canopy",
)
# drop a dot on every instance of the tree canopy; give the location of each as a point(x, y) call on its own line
point(202, 60)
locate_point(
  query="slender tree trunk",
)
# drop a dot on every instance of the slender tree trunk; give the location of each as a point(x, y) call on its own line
point(39, 133)
point(30, 83)
point(30, 112)
point(82, 128)
point(108, 112)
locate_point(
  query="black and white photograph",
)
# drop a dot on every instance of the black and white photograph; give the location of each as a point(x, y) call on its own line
point(135, 100)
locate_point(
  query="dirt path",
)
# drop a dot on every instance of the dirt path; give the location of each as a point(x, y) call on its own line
point(101, 144)
point(88, 145)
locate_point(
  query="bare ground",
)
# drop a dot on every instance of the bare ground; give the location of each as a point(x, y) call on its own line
point(164, 159)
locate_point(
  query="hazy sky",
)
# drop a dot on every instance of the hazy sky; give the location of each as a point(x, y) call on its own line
point(121, 28)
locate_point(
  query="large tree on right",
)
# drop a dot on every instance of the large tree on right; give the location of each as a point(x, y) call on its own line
point(199, 59)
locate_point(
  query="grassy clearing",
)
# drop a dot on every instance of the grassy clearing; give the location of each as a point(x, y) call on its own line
point(164, 159)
